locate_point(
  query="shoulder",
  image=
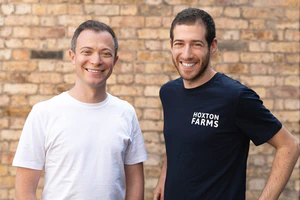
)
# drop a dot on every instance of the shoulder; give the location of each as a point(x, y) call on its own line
point(120, 104)
point(230, 86)
point(171, 85)
point(52, 102)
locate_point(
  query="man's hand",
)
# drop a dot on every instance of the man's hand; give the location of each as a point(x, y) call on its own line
point(158, 193)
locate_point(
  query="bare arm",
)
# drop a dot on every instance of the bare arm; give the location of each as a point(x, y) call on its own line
point(26, 183)
point(134, 182)
point(158, 193)
point(287, 154)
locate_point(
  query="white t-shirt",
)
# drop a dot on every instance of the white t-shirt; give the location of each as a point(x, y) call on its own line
point(83, 147)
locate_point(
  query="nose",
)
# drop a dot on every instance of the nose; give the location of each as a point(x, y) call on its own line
point(187, 53)
point(95, 59)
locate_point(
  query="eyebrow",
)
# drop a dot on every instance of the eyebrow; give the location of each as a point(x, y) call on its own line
point(193, 41)
point(104, 49)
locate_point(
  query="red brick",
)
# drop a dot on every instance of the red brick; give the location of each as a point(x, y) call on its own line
point(39, 9)
point(257, 35)
point(284, 47)
point(153, 45)
point(14, 20)
point(292, 35)
point(17, 123)
point(121, 90)
point(7, 158)
point(153, 68)
point(18, 78)
point(41, 77)
point(8, 135)
point(128, 10)
point(14, 43)
point(5, 54)
point(4, 122)
point(279, 3)
point(153, 34)
point(125, 79)
point(152, 114)
point(48, 32)
point(19, 66)
point(257, 24)
point(38, 98)
point(126, 56)
point(232, 12)
point(130, 44)
point(232, 68)
point(152, 91)
point(22, 32)
point(153, 55)
point(151, 125)
point(285, 92)
point(7, 9)
point(69, 78)
point(103, 10)
point(258, 80)
point(19, 100)
point(75, 9)
point(151, 79)
point(227, 23)
point(147, 102)
point(153, 22)
point(56, 9)
point(20, 88)
point(127, 21)
point(6, 31)
point(17, 112)
point(259, 57)
point(21, 54)
point(127, 1)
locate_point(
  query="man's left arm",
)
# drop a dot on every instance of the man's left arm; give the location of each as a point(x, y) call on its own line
point(287, 154)
point(134, 182)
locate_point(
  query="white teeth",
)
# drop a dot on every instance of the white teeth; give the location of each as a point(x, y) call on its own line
point(188, 64)
point(91, 70)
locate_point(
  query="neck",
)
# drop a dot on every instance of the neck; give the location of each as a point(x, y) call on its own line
point(88, 94)
point(202, 79)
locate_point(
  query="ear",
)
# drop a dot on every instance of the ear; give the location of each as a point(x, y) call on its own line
point(116, 60)
point(72, 56)
point(214, 46)
point(171, 43)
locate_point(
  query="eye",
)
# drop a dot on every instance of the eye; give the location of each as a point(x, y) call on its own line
point(86, 52)
point(178, 44)
point(106, 54)
point(198, 44)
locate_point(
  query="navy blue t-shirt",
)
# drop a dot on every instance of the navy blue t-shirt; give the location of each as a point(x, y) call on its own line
point(207, 134)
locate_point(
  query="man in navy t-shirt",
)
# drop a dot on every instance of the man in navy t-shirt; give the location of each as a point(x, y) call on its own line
point(209, 120)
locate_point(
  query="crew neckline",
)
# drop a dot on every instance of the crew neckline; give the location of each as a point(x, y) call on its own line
point(102, 103)
point(216, 76)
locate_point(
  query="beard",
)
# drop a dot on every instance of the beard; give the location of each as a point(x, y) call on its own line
point(200, 72)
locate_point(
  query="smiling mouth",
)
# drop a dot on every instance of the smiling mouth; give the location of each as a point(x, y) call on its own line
point(188, 64)
point(94, 71)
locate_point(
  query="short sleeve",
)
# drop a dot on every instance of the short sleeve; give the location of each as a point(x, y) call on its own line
point(136, 151)
point(31, 149)
point(254, 119)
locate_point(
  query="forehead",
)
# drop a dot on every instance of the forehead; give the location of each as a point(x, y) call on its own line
point(185, 32)
point(93, 38)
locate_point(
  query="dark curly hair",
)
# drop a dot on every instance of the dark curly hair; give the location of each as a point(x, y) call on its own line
point(192, 16)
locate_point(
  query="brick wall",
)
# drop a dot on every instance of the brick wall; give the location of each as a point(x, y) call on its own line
point(259, 45)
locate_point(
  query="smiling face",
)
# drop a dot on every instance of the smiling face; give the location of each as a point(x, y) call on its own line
point(94, 58)
point(191, 54)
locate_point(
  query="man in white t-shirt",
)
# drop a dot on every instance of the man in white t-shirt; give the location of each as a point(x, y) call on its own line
point(88, 142)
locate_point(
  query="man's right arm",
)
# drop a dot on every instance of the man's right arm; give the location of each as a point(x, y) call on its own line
point(158, 193)
point(26, 183)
